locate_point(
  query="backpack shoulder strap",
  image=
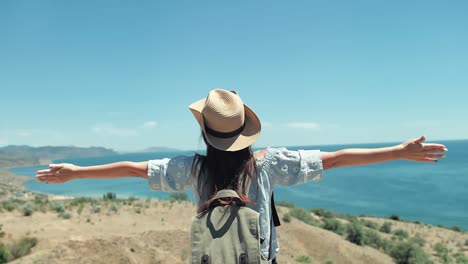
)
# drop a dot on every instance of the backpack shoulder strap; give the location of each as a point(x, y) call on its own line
point(274, 214)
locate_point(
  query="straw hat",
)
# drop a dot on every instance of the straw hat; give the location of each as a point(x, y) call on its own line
point(227, 123)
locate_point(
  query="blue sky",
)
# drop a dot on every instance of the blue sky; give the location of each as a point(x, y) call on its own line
point(121, 74)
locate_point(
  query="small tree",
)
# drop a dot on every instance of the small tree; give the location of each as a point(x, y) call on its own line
point(333, 225)
point(355, 233)
point(395, 217)
point(386, 228)
point(109, 196)
point(408, 253)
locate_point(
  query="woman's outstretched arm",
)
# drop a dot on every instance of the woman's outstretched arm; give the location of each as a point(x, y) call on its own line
point(414, 150)
point(58, 173)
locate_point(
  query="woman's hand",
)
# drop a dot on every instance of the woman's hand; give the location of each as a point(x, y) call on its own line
point(57, 173)
point(416, 150)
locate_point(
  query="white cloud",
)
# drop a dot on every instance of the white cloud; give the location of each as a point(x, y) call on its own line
point(111, 130)
point(24, 133)
point(303, 125)
point(267, 124)
point(150, 124)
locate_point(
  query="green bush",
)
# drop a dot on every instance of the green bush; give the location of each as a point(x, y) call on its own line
point(408, 253)
point(369, 224)
point(27, 209)
point(348, 217)
point(3, 254)
point(418, 240)
point(466, 242)
point(386, 228)
point(303, 259)
point(109, 196)
point(355, 233)
point(9, 205)
point(333, 225)
point(114, 208)
point(328, 262)
point(178, 196)
point(395, 217)
point(1, 231)
point(22, 247)
point(64, 215)
point(57, 206)
point(303, 215)
point(460, 258)
point(401, 233)
point(287, 218)
point(80, 201)
point(442, 252)
point(323, 213)
point(456, 229)
point(95, 208)
point(373, 239)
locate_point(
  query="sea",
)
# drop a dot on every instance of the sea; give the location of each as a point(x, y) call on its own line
point(435, 193)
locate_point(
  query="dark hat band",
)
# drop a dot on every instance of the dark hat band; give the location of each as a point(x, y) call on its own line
point(219, 134)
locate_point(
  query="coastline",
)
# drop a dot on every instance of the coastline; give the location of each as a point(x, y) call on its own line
point(115, 229)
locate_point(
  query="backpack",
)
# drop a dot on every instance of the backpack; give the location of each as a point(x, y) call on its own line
point(226, 233)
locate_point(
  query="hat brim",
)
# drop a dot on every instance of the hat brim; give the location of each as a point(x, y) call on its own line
point(246, 138)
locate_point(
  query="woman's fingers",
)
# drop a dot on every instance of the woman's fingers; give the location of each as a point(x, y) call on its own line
point(434, 147)
point(434, 156)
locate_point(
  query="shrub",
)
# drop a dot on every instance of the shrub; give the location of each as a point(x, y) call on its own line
point(27, 209)
point(3, 254)
point(466, 242)
point(328, 262)
point(460, 258)
point(401, 233)
point(80, 209)
point(456, 229)
point(22, 247)
point(109, 196)
point(386, 228)
point(80, 201)
point(57, 207)
point(287, 218)
point(1, 231)
point(113, 208)
point(285, 204)
point(333, 225)
point(64, 215)
point(95, 208)
point(369, 224)
point(178, 196)
point(323, 213)
point(442, 252)
point(418, 240)
point(408, 253)
point(9, 205)
point(373, 239)
point(355, 233)
point(348, 217)
point(303, 259)
point(303, 215)
point(395, 217)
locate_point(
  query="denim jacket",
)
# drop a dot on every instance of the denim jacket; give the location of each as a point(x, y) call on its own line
point(279, 166)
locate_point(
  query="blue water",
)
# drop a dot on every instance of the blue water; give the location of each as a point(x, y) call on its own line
point(435, 193)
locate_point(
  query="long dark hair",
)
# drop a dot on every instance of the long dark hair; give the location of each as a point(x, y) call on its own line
point(223, 170)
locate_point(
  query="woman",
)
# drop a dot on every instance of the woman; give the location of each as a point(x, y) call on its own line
point(229, 128)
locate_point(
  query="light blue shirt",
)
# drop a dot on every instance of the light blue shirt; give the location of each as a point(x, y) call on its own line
point(279, 166)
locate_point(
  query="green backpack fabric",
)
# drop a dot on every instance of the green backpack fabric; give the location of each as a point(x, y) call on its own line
point(226, 233)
